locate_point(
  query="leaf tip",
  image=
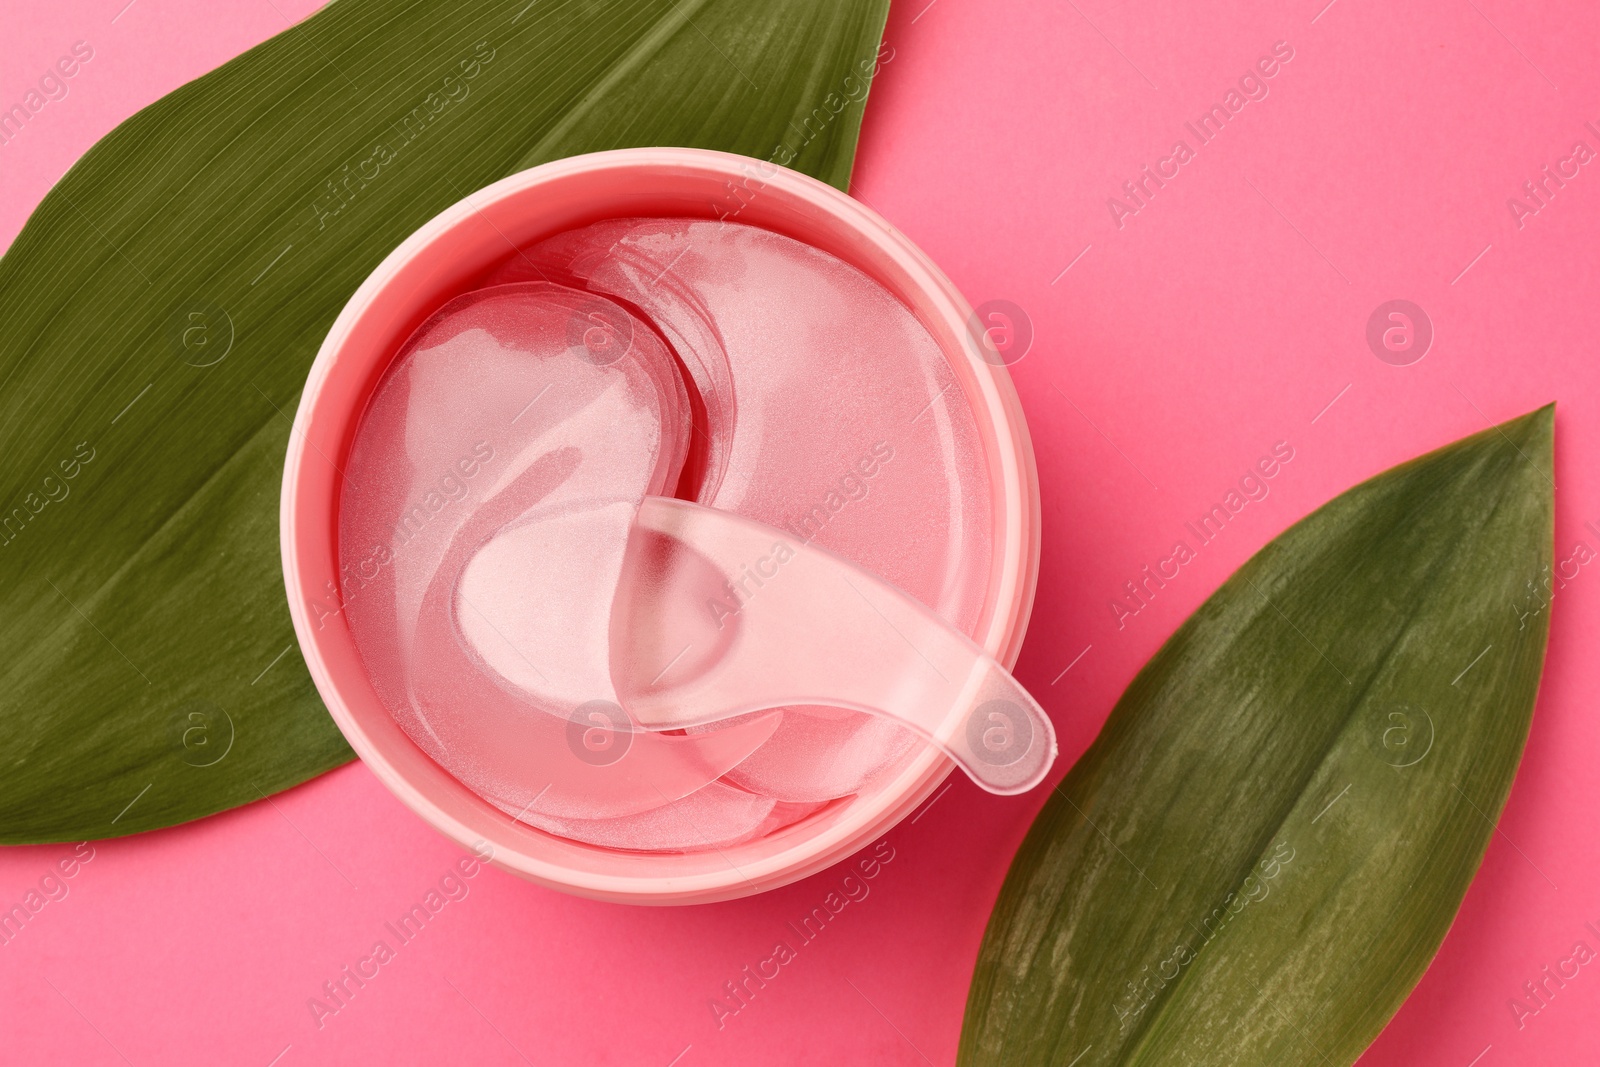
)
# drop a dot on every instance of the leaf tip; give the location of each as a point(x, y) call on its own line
point(1533, 435)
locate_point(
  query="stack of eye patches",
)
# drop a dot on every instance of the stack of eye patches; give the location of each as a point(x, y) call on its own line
point(671, 536)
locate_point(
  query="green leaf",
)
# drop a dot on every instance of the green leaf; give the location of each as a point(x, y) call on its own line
point(1257, 858)
point(164, 303)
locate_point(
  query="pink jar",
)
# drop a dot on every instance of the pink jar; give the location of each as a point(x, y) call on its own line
point(447, 256)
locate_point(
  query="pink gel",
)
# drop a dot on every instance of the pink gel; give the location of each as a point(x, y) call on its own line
point(535, 609)
point(849, 430)
point(491, 414)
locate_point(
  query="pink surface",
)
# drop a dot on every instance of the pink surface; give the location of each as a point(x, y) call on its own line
point(1223, 317)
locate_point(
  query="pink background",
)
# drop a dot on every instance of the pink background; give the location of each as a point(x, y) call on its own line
point(1223, 317)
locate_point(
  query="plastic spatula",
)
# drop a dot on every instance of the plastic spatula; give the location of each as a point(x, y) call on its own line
point(719, 616)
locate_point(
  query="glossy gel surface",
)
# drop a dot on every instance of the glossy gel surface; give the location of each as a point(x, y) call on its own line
point(491, 516)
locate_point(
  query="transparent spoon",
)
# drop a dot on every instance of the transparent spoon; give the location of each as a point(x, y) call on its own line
point(718, 616)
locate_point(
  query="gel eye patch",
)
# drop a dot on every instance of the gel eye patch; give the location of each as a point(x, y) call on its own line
point(676, 533)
